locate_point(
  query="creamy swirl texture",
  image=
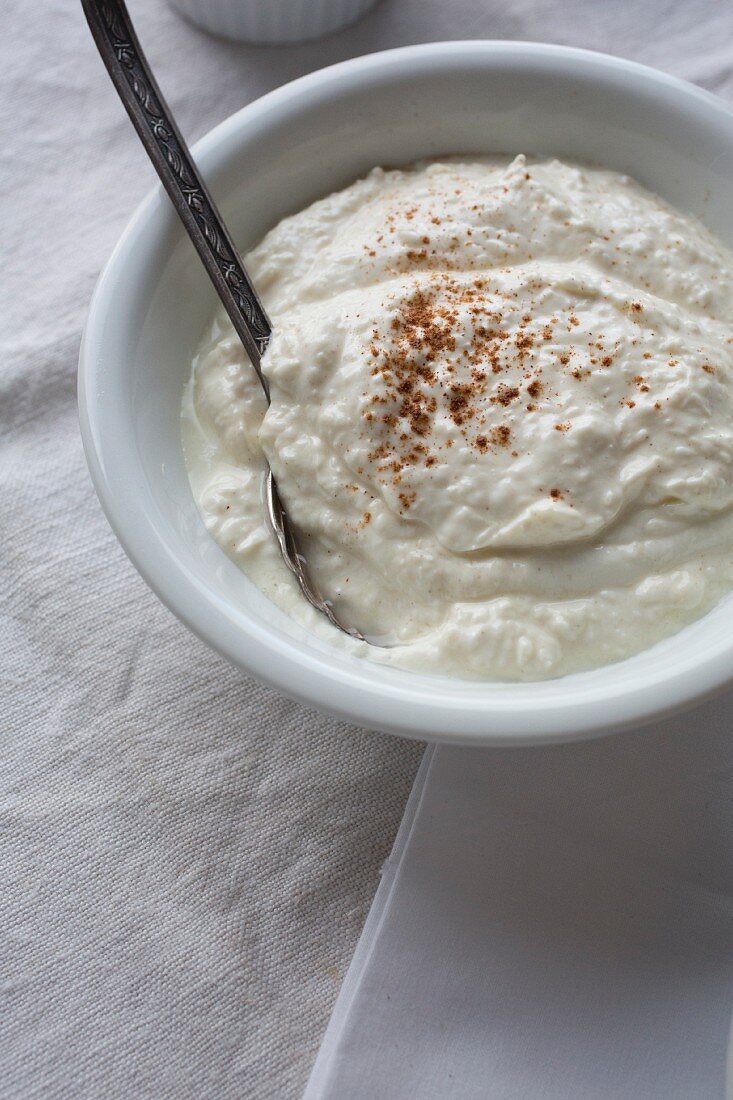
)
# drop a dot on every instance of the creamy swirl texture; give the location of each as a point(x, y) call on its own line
point(502, 416)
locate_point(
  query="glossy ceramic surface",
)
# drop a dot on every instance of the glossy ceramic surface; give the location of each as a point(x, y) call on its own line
point(153, 302)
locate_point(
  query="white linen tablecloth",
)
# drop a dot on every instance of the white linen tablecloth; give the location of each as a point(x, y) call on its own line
point(186, 859)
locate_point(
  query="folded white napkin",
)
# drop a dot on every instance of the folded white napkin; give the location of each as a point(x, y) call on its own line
point(553, 923)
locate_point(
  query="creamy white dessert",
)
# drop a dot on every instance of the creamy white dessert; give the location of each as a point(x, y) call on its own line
point(502, 417)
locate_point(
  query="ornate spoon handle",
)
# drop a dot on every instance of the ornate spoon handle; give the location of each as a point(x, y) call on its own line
point(118, 45)
point(117, 42)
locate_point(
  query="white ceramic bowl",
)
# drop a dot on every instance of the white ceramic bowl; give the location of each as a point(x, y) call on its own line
point(153, 302)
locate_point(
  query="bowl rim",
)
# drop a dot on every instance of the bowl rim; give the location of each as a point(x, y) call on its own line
point(285, 664)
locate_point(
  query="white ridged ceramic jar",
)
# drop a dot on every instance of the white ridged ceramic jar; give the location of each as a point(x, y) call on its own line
point(273, 22)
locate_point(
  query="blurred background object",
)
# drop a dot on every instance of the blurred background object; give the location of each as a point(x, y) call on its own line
point(273, 21)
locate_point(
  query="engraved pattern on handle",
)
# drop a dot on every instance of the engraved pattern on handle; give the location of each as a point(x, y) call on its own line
point(125, 61)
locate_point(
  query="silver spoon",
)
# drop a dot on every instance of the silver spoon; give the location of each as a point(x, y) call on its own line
point(126, 64)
